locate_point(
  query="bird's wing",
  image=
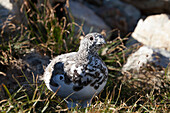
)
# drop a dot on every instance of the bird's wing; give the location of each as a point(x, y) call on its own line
point(56, 66)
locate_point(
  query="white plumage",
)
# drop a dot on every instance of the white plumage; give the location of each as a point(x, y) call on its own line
point(78, 75)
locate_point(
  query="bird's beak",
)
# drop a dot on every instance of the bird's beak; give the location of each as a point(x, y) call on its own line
point(101, 41)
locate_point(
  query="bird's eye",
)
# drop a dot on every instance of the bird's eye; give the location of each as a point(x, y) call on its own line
point(61, 78)
point(100, 36)
point(91, 38)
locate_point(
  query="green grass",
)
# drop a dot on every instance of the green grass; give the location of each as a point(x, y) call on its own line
point(49, 36)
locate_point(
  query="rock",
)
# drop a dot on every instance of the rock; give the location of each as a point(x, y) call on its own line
point(36, 62)
point(154, 34)
point(146, 55)
point(83, 14)
point(30, 67)
point(154, 31)
point(138, 59)
point(145, 69)
point(151, 6)
point(161, 57)
point(119, 15)
point(95, 2)
point(6, 4)
point(5, 10)
point(18, 12)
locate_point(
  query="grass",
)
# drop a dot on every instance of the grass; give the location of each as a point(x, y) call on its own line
point(50, 36)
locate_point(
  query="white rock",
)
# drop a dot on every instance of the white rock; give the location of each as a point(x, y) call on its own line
point(138, 59)
point(146, 55)
point(6, 4)
point(154, 31)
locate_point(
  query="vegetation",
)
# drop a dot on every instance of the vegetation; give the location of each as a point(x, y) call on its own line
point(50, 36)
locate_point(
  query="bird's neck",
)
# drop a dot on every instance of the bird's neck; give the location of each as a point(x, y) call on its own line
point(85, 53)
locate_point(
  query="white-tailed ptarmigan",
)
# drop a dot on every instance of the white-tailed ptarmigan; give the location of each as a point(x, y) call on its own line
point(78, 75)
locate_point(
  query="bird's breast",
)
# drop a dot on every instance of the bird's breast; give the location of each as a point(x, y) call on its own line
point(94, 73)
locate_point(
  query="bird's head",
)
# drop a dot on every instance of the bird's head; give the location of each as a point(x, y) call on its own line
point(92, 42)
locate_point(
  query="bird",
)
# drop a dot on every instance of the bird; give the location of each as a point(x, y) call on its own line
point(78, 76)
